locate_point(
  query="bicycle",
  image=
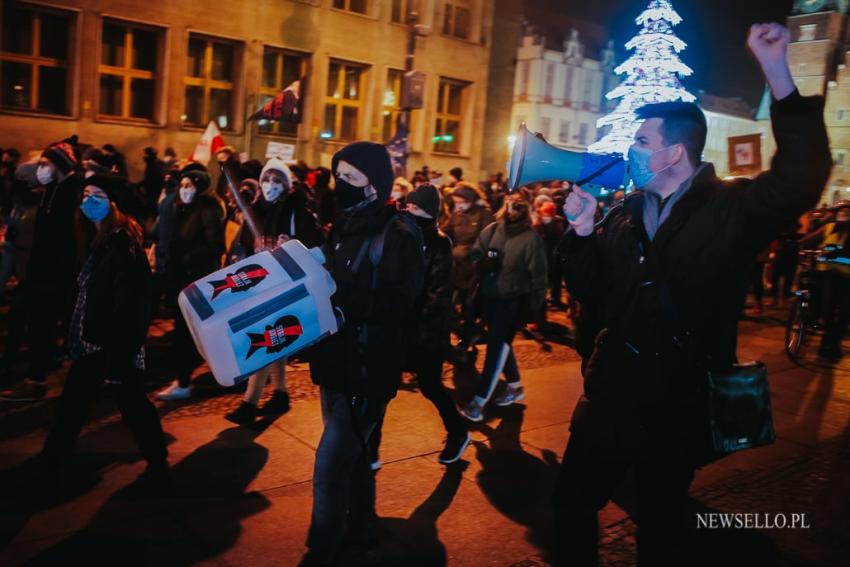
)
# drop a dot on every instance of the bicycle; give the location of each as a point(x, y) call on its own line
point(802, 320)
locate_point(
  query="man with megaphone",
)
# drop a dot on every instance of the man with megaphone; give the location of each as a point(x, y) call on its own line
point(666, 270)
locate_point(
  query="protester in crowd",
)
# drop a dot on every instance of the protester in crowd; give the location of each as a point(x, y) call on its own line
point(163, 230)
point(52, 265)
point(466, 222)
point(10, 159)
point(401, 188)
point(666, 272)
point(511, 261)
point(430, 340)
point(320, 178)
point(375, 257)
point(287, 217)
point(118, 160)
point(107, 332)
point(195, 250)
point(550, 228)
point(226, 160)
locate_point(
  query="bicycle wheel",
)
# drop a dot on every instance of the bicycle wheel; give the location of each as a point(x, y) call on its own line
point(795, 330)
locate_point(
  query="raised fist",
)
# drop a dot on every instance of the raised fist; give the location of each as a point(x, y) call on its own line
point(769, 44)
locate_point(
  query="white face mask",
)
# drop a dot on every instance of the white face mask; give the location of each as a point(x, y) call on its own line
point(397, 195)
point(45, 174)
point(545, 220)
point(88, 174)
point(187, 194)
point(462, 207)
point(271, 191)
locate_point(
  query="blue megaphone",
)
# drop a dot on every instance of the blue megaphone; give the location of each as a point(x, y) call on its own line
point(534, 160)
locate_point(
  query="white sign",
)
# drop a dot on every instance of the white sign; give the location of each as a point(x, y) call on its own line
point(286, 152)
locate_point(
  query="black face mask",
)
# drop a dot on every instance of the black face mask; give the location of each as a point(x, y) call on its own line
point(347, 195)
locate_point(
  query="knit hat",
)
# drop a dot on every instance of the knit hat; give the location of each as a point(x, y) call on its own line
point(61, 155)
point(197, 173)
point(373, 160)
point(277, 164)
point(98, 160)
point(427, 198)
point(113, 185)
point(466, 193)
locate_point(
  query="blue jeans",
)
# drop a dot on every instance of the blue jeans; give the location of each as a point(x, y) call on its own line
point(343, 482)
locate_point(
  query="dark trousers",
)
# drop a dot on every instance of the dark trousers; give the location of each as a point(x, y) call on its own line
point(47, 306)
point(836, 308)
point(590, 473)
point(470, 307)
point(184, 355)
point(757, 278)
point(82, 386)
point(503, 318)
point(343, 482)
point(16, 325)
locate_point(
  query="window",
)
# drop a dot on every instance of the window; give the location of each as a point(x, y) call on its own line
point(129, 63)
point(564, 132)
point(839, 157)
point(400, 9)
point(582, 134)
point(280, 69)
point(550, 80)
point(588, 87)
point(344, 101)
point(524, 74)
point(457, 19)
point(392, 99)
point(545, 127)
point(35, 58)
point(808, 32)
point(841, 114)
point(450, 102)
point(568, 84)
point(210, 82)
point(359, 6)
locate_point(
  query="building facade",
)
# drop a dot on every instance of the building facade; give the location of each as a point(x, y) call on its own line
point(732, 123)
point(819, 55)
point(560, 93)
point(154, 74)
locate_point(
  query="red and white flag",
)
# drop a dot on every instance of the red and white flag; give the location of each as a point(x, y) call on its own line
point(210, 143)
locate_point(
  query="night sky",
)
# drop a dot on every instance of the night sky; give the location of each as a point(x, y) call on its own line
point(715, 31)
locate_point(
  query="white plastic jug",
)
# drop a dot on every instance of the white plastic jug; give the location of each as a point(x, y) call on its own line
point(254, 312)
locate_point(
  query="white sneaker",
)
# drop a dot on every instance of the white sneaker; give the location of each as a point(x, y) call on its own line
point(175, 392)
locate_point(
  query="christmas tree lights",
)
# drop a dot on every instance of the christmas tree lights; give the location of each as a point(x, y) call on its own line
point(652, 75)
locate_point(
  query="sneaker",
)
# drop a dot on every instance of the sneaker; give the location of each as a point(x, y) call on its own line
point(375, 465)
point(175, 392)
point(472, 411)
point(243, 415)
point(278, 404)
point(455, 446)
point(26, 391)
point(510, 396)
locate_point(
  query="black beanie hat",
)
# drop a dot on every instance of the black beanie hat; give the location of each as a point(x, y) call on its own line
point(102, 162)
point(62, 157)
point(373, 160)
point(113, 185)
point(427, 198)
point(197, 173)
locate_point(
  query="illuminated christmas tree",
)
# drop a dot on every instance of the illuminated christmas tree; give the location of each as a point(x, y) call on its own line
point(652, 75)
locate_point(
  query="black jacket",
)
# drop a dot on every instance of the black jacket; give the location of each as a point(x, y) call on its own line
point(637, 377)
point(292, 217)
point(197, 242)
point(53, 259)
point(118, 302)
point(379, 319)
point(434, 305)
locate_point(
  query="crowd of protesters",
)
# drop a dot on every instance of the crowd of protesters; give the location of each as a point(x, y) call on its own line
point(90, 257)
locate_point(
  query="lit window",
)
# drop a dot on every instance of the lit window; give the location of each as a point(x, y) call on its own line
point(344, 101)
point(450, 107)
point(391, 103)
point(210, 82)
point(564, 132)
point(34, 58)
point(280, 69)
point(359, 6)
point(129, 66)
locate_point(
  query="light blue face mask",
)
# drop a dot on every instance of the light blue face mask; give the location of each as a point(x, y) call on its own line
point(639, 169)
point(95, 207)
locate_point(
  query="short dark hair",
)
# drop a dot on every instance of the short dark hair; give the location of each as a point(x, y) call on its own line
point(683, 123)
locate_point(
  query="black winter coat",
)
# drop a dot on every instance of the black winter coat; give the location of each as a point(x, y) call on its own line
point(118, 302)
point(637, 380)
point(293, 218)
point(197, 242)
point(434, 305)
point(379, 319)
point(53, 259)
